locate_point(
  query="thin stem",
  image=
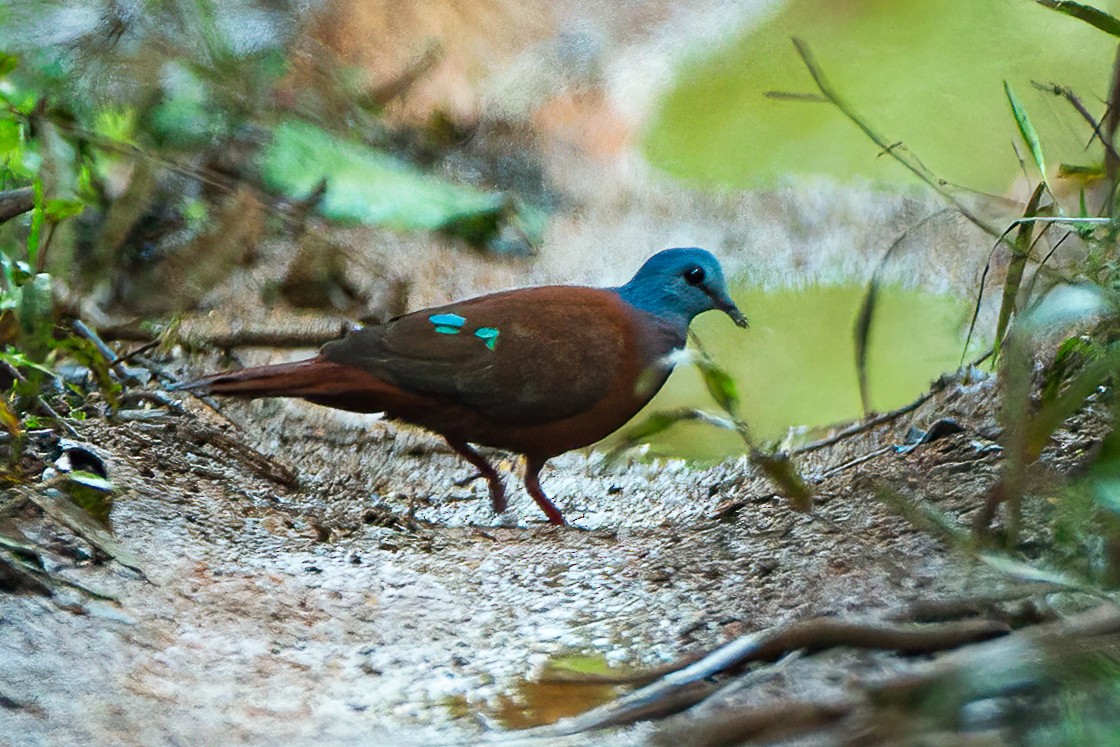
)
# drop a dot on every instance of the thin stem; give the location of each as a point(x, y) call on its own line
point(912, 164)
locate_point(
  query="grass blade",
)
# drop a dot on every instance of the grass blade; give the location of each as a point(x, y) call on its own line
point(862, 336)
point(1017, 266)
point(1027, 130)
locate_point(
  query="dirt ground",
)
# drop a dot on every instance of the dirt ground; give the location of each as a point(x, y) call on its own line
point(318, 578)
point(375, 602)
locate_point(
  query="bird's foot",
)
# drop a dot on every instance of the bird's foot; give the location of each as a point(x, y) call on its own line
point(468, 480)
point(533, 487)
point(485, 469)
point(498, 495)
point(497, 490)
point(550, 510)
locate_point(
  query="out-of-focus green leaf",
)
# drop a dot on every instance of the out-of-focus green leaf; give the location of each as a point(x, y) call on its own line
point(1072, 355)
point(58, 210)
point(1103, 479)
point(61, 170)
point(16, 359)
point(780, 470)
point(1063, 307)
point(9, 138)
point(8, 63)
point(1066, 306)
point(1106, 492)
point(1026, 129)
point(1080, 172)
point(118, 125)
point(187, 116)
point(20, 101)
point(862, 335)
point(660, 421)
point(1017, 266)
point(369, 186)
point(36, 316)
point(720, 385)
point(657, 422)
point(33, 235)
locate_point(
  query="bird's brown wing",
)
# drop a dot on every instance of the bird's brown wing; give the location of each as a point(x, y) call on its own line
point(526, 356)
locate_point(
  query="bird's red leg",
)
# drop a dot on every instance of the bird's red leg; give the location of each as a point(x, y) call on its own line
point(533, 485)
point(493, 479)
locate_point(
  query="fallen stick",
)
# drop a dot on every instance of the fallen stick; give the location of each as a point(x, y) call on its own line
point(689, 685)
point(876, 711)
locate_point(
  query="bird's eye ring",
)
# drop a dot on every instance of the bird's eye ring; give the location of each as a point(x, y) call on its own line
point(694, 275)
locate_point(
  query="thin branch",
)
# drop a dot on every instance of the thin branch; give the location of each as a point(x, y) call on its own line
point(912, 163)
point(862, 427)
point(1068, 94)
point(15, 202)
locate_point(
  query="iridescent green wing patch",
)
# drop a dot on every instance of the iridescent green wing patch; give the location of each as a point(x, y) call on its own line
point(489, 335)
point(447, 324)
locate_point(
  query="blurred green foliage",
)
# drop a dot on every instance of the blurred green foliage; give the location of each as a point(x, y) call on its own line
point(370, 186)
point(140, 137)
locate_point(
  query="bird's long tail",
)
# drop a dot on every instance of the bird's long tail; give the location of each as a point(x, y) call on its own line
point(309, 379)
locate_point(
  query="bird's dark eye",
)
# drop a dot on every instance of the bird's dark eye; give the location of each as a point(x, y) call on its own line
point(694, 275)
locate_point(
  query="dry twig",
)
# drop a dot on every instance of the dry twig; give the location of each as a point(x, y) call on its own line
point(693, 682)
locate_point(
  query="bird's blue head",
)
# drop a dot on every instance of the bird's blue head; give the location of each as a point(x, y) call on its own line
point(678, 284)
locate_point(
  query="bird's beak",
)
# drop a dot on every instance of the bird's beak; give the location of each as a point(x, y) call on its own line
point(723, 302)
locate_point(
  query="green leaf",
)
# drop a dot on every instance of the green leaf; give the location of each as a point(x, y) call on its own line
point(862, 335)
point(1072, 355)
point(1026, 129)
point(10, 136)
point(369, 186)
point(8, 63)
point(118, 125)
point(1103, 479)
point(1017, 266)
point(36, 225)
point(187, 116)
point(783, 474)
point(21, 101)
point(58, 210)
point(657, 422)
point(720, 385)
point(16, 359)
point(36, 316)
point(1106, 493)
